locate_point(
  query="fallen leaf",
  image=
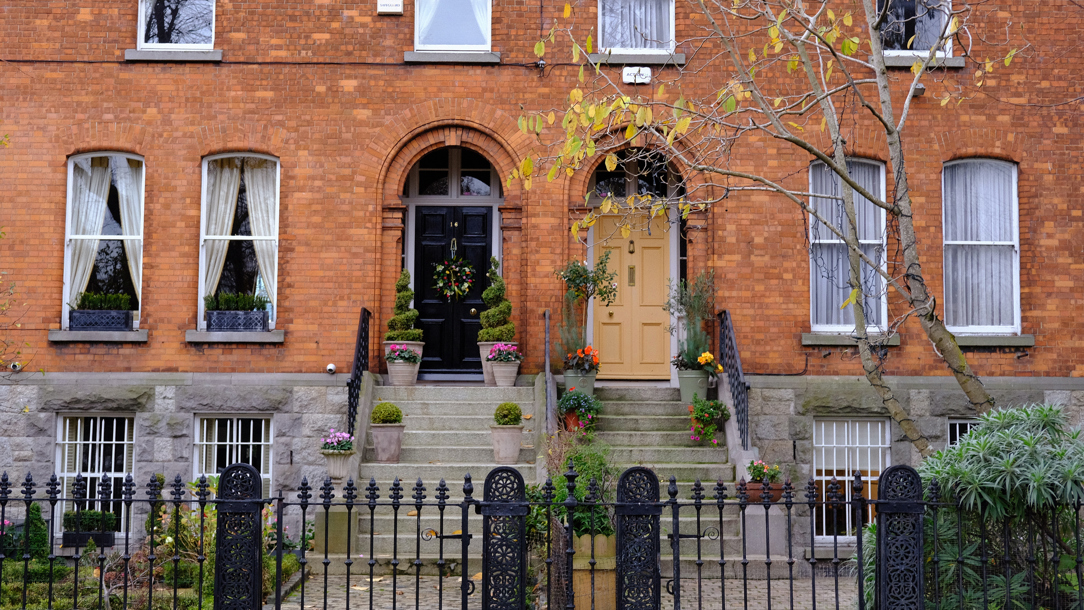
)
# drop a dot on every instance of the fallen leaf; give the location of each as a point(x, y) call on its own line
point(457, 532)
point(378, 579)
point(528, 416)
point(357, 588)
point(399, 593)
point(412, 513)
point(477, 576)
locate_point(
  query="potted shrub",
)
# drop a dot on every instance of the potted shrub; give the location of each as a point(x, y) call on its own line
point(705, 416)
point(387, 428)
point(580, 410)
point(583, 283)
point(403, 363)
point(496, 324)
point(401, 329)
point(230, 312)
point(97, 311)
point(507, 433)
point(759, 474)
point(337, 449)
point(691, 304)
point(85, 525)
point(504, 360)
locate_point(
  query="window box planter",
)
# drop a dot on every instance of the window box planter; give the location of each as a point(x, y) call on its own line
point(100, 319)
point(237, 321)
point(80, 539)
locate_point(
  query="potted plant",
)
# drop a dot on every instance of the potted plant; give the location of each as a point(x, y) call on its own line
point(583, 283)
point(337, 449)
point(496, 324)
point(387, 428)
point(401, 329)
point(759, 474)
point(691, 304)
point(705, 416)
point(403, 363)
point(507, 433)
point(234, 312)
point(580, 410)
point(98, 311)
point(504, 359)
point(85, 525)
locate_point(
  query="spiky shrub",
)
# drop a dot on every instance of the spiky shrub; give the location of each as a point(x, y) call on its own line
point(496, 325)
point(401, 325)
point(1009, 491)
point(508, 414)
point(103, 302)
point(228, 301)
point(386, 413)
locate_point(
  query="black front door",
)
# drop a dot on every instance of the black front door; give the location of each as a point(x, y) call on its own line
point(450, 326)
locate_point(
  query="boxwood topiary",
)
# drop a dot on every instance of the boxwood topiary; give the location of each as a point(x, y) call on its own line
point(508, 414)
point(496, 325)
point(386, 413)
point(401, 325)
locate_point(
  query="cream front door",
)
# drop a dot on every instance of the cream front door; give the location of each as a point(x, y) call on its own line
point(630, 334)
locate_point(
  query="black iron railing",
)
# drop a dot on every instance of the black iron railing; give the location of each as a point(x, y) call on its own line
point(218, 543)
point(361, 364)
point(739, 389)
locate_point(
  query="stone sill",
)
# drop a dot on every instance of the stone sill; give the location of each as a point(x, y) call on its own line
point(98, 336)
point(995, 340)
point(157, 55)
point(451, 57)
point(825, 340)
point(906, 61)
point(638, 59)
point(199, 336)
point(826, 550)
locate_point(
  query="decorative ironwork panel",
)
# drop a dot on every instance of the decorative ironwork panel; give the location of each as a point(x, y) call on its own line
point(504, 542)
point(361, 364)
point(89, 319)
point(238, 569)
point(731, 361)
point(638, 511)
point(237, 321)
point(899, 540)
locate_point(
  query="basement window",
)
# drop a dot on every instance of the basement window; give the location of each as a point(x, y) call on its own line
point(222, 441)
point(841, 447)
point(98, 448)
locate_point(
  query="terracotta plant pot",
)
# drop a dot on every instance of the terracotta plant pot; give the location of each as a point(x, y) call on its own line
point(506, 443)
point(582, 383)
point(387, 442)
point(755, 490)
point(403, 373)
point(572, 421)
point(693, 383)
point(504, 373)
point(338, 463)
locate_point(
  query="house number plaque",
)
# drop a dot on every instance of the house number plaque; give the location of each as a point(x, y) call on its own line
point(389, 7)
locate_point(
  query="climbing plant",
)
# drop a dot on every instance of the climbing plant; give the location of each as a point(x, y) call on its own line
point(496, 325)
point(401, 325)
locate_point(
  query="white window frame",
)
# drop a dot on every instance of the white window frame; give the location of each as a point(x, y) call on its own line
point(97, 444)
point(484, 48)
point(1015, 243)
point(946, 49)
point(958, 424)
point(835, 329)
point(198, 442)
point(201, 323)
point(846, 482)
point(171, 46)
point(640, 50)
point(66, 295)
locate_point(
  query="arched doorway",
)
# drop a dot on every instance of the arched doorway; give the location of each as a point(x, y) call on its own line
point(452, 195)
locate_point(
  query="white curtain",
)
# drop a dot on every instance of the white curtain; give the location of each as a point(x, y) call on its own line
point(635, 24)
point(481, 16)
point(262, 216)
point(223, 185)
point(979, 277)
point(128, 178)
point(90, 192)
point(424, 11)
point(453, 23)
point(829, 263)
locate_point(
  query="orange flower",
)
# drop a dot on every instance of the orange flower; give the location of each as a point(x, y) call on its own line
point(580, 352)
point(569, 355)
point(596, 359)
point(588, 348)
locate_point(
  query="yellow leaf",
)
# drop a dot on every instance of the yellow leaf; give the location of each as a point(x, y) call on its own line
point(752, 55)
point(625, 231)
point(683, 124)
point(630, 131)
point(851, 300)
point(528, 416)
point(831, 15)
point(575, 229)
point(910, 41)
point(590, 46)
point(568, 10)
point(1008, 58)
point(540, 48)
point(552, 174)
point(661, 89)
point(773, 32)
point(526, 166)
point(796, 126)
point(575, 96)
point(527, 183)
point(590, 148)
point(778, 101)
point(946, 100)
point(611, 162)
point(477, 576)
point(569, 171)
point(824, 121)
point(581, 74)
point(607, 205)
point(778, 47)
point(551, 117)
point(575, 52)
point(412, 513)
point(916, 67)
point(848, 20)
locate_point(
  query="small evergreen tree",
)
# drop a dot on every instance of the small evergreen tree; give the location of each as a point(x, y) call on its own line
point(401, 325)
point(496, 325)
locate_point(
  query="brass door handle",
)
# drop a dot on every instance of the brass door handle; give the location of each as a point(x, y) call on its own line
point(473, 311)
point(611, 314)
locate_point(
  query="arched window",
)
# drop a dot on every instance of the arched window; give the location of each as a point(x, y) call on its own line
point(103, 253)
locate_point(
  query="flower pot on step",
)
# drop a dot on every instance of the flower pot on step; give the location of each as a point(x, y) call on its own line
point(693, 383)
point(506, 443)
point(483, 351)
point(387, 442)
point(403, 373)
point(572, 421)
point(755, 490)
point(504, 373)
point(414, 345)
point(582, 382)
point(338, 463)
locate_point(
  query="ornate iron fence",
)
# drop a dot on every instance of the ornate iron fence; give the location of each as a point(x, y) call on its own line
point(361, 364)
point(217, 543)
point(739, 389)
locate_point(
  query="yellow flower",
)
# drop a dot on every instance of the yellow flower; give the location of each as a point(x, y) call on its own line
point(705, 358)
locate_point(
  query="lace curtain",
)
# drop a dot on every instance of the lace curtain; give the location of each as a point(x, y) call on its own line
point(635, 24)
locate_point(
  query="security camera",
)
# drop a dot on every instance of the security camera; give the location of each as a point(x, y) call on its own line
point(15, 366)
point(331, 369)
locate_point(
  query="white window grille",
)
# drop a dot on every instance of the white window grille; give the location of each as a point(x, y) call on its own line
point(637, 26)
point(841, 447)
point(97, 447)
point(453, 25)
point(957, 428)
point(982, 247)
point(182, 25)
point(829, 264)
point(222, 441)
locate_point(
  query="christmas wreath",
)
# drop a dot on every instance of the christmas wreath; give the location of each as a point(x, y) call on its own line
point(453, 278)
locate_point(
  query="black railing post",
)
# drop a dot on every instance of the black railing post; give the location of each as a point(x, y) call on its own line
point(465, 585)
point(361, 364)
point(570, 510)
point(859, 506)
point(900, 569)
point(739, 389)
point(675, 538)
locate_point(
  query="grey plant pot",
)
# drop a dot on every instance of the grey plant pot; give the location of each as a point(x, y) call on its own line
point(692, 382)
point(387, 442)
point(582, 383)
point(506, 443)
